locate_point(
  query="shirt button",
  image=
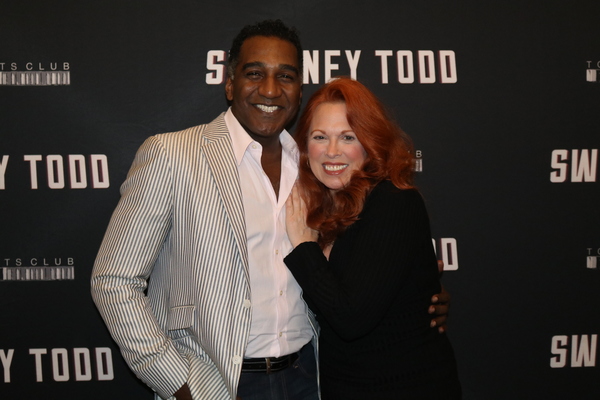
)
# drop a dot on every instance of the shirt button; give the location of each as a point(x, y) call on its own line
point(236, 360)
point(280, 334)
point(276, 251)
point(281, 292)
point(247, 303)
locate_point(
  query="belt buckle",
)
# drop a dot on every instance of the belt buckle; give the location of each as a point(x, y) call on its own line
point(268, 365)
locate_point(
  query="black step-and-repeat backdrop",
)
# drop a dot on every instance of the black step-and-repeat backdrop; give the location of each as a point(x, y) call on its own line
point(503, 103)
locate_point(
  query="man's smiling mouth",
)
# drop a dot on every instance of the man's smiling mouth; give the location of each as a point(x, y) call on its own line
point(267, 109)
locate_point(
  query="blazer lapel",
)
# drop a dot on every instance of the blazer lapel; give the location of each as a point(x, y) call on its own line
point(221, 160)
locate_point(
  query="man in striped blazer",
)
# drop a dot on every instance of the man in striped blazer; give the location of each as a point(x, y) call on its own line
point(190, 278)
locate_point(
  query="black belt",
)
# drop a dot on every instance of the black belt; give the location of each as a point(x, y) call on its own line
point(268, 364)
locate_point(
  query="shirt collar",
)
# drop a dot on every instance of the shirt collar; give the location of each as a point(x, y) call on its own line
point(240, 139)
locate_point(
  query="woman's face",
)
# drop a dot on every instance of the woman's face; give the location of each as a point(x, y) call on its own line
point(334, 151)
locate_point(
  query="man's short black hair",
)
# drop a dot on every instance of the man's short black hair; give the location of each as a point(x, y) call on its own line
point(268, 28)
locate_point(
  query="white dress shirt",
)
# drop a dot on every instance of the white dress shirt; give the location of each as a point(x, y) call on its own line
point(279, 317)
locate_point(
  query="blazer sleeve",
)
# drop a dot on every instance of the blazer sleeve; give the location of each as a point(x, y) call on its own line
point(135, 235)
point(375, 261)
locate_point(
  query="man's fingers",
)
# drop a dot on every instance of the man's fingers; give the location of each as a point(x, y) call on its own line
point(443, 298)
point(438, 309)
point(440, 322)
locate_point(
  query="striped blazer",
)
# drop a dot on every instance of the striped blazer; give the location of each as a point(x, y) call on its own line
point(171, 278)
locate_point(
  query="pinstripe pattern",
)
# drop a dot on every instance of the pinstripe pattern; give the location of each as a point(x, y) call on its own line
point(180, 221)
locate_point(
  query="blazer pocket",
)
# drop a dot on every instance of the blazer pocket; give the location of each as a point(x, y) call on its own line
point(180, 317)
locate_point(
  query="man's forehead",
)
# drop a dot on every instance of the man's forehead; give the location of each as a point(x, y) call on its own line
point(260, 64)
point(257, 47)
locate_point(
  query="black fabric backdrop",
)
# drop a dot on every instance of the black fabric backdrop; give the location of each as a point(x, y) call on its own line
point(521, 246)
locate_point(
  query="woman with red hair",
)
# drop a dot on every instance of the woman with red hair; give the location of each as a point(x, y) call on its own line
point(363, 253)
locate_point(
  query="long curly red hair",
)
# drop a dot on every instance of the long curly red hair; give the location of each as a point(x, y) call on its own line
point(389, 156)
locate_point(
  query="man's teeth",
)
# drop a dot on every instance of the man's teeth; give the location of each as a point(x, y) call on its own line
point(268, 109)
point(335, 167)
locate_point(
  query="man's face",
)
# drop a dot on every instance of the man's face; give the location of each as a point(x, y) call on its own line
point(266, 88)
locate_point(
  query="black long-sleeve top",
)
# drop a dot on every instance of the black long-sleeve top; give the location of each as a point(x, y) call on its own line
point(371, 299)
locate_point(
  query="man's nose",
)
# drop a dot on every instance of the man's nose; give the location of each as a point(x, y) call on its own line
point(270, 87)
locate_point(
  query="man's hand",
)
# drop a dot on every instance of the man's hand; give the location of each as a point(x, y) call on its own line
point(440, 304)
point(183, 393)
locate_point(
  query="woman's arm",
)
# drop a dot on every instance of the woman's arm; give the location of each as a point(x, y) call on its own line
point(370, 264)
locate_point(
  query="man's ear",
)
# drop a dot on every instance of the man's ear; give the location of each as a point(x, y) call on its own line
point(229, 89)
